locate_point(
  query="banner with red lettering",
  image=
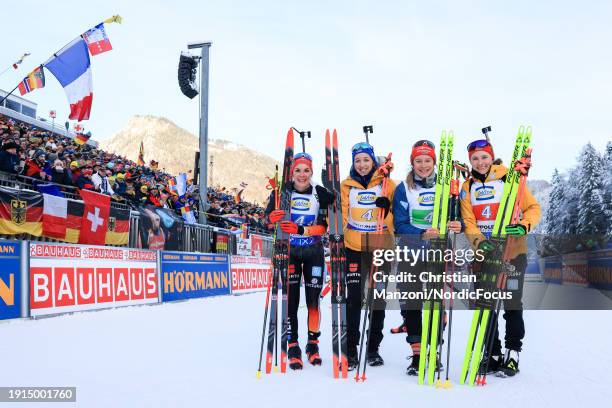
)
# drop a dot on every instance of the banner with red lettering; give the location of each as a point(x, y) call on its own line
point(68, 278)
point(250, 273)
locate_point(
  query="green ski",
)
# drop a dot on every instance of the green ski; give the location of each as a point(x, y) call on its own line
point(481, 328)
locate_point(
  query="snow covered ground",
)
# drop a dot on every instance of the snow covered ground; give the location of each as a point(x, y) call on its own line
point(204, 353)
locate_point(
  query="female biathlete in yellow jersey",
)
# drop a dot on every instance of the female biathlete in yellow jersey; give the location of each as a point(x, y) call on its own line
point(480, 198)
point(361, 203)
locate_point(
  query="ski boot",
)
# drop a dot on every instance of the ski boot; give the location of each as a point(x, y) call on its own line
point(495, 362)
point(374, 359)
point(295, 356)
point(312, 352)
point(439, 365)
point(413, 368)
point(510, 365)
point(402, 328)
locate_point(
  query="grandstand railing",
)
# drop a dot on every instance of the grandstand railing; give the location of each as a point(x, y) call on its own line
point(198, 238)
point(134, 229)
point(28, 183)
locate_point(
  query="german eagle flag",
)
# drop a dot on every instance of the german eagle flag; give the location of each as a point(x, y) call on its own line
point(118, 227)
point(20, 212)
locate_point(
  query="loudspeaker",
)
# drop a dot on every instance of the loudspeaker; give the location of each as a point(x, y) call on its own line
point(187, 69)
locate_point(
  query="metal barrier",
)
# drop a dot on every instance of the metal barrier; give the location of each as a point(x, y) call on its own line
point(197, 238)
point(134, 233)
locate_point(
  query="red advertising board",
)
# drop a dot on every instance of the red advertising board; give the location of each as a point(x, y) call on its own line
point(250, 273)
point(68, 278)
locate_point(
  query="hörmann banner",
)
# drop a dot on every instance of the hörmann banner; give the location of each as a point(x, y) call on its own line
point(10, 279)
point(187, 275)
point(68, 278)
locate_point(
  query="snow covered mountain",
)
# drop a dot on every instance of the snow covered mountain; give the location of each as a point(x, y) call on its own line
point(174, 148)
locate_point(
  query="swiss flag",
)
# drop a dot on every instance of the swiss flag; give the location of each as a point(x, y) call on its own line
point(95, 218)
point(97, 40)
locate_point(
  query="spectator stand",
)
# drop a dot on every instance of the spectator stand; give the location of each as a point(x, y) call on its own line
point(226, 215)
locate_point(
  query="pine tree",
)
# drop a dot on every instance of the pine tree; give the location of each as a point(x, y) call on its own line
point(556, 214)
point(591, 206)
point(572, 194)
point(607, 168)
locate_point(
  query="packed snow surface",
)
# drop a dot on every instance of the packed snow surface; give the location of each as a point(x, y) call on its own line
point(204, 353)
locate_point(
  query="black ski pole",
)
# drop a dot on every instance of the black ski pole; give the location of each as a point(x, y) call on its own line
point(370, 313)
point(450, 314)
point(441, 325)
point(366, 315)
point(265, 320)
point(455, 208)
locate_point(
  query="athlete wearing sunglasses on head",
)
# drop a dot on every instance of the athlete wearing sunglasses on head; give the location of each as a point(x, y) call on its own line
point(480, 198)
point(361, 204)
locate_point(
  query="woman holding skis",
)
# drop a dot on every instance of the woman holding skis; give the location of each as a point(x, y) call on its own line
point(362, 200)
point(480, 199)
point(412, 215)
point(306, 226)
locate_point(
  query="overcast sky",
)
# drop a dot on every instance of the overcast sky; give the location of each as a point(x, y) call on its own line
point(410, 68)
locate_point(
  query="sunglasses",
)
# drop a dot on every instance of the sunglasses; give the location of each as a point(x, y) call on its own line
point(362, 146)
point(478, 144)
point(424, 143)
point(302, 155)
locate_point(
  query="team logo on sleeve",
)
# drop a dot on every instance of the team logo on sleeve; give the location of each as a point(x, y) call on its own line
point(426, 199)
point(484, 193)
point(300, 204)
point(366, 198)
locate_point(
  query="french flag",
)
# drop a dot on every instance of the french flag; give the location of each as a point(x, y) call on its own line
point(72, 68)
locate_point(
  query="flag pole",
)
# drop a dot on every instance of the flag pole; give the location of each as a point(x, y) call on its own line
point(16, 63)
point(6, 69)
point(10, 93)
point(113, 19)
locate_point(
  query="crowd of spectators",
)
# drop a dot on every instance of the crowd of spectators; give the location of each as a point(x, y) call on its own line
point(226, 211)
point(40, 156)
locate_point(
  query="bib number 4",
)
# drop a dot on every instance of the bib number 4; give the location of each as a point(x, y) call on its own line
point(486, 212)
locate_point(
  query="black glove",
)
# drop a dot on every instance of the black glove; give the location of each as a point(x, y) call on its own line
point(486, 246)
point(384, 203)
